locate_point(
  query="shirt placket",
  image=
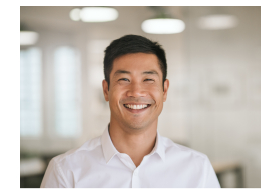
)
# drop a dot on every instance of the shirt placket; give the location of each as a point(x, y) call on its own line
point(135, 182)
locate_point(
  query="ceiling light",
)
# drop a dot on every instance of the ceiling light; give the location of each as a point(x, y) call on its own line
point(217, 22)
point(28, 37)
point(163, 26)
point(98, 14)
point(75, 14)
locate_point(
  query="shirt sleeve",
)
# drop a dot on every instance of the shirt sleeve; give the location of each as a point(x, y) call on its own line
point(53, 177)
point(211, 180)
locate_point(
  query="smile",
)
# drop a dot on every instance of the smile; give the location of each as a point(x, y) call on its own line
point(136, 106)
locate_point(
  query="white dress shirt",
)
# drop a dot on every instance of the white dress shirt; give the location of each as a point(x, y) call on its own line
point(98, 164)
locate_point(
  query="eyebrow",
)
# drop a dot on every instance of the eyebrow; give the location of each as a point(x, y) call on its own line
point(121, 72)
point(127, 72)
point(150, 72)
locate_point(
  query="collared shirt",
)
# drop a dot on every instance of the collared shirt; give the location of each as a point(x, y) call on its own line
point(98, 164)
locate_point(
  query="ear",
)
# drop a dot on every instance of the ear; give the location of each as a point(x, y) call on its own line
point(105, 90)
point(166, 87)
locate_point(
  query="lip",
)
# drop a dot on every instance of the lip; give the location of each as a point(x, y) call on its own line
point(137, 110)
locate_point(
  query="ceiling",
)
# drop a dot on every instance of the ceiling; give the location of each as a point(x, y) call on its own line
point(57, 18)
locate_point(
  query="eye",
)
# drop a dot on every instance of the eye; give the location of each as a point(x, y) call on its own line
point(123, 79)
point(148, 80)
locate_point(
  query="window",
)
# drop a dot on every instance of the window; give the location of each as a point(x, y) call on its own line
point(30, 93)
point(67, 92)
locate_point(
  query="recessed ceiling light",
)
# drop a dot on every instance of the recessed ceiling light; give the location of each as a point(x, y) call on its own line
point(163, 26)
point(75, 14)
point(98, 14)
point(28, 37)
point(217, 22)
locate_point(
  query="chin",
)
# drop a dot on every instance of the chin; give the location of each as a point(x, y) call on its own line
point(136, 125)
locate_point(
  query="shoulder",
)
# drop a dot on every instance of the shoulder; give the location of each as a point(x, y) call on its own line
point(59, 172)
point(190, 164)
point(177, 150)
point(77, 153)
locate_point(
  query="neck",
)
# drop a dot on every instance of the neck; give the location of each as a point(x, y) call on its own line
point(136, 144)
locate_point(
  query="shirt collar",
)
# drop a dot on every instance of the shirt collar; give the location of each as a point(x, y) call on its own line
point(107, 146)
point(110, 151)
point(159, 147)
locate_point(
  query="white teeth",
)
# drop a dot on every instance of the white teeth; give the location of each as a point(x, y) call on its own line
point(135, 107)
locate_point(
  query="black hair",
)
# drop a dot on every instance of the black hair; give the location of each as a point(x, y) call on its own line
point(129, 44)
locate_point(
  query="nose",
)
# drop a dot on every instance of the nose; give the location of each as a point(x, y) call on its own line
point(136, 90)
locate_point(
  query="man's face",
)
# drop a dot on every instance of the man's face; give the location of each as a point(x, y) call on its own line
point(136, 93)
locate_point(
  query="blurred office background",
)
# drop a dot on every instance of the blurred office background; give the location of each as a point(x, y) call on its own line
point(214, 68)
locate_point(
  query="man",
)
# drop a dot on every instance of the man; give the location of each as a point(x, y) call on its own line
point(130, 152)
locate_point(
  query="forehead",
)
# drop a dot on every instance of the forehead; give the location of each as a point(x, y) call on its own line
point(136, 62)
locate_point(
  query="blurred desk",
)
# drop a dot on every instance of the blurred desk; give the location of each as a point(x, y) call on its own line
point(223, 167)
point(31, 172)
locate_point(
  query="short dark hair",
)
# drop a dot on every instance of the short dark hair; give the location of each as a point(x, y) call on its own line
point(129, 44)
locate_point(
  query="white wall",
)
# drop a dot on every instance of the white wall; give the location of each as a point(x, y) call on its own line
point(225, 70)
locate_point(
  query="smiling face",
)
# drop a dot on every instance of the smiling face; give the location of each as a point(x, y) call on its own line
point(136, 93)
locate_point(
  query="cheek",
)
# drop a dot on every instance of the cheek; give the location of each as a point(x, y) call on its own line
point(115, 96)
point(156, 87)
point(157, 96)
point(156, 90)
